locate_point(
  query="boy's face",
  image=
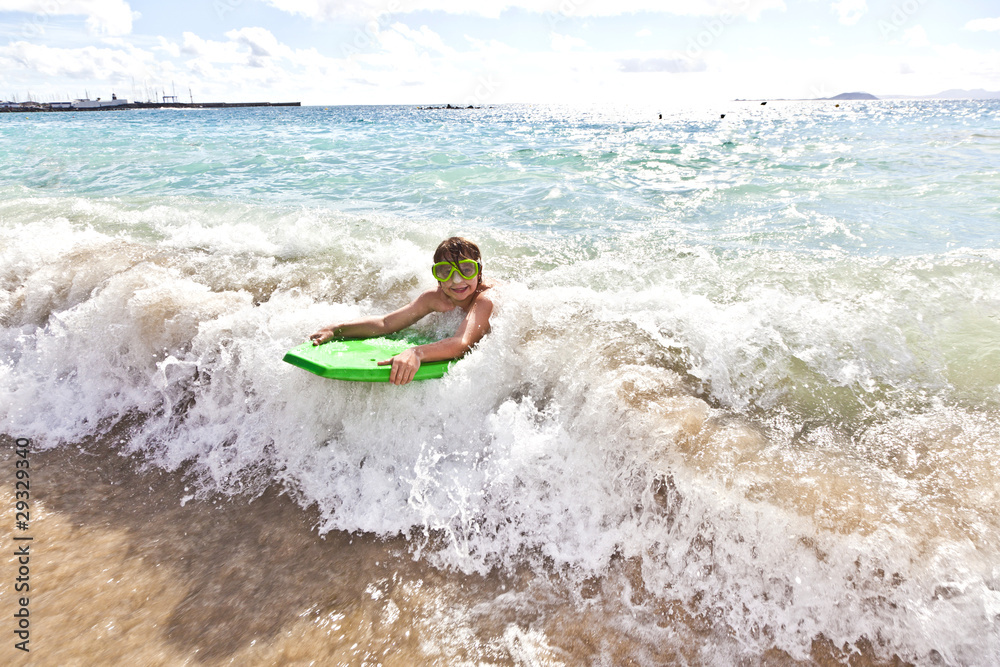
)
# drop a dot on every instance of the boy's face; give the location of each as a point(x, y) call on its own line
point(457, 287)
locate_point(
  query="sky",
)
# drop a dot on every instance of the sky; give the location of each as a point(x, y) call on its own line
point(482, 52)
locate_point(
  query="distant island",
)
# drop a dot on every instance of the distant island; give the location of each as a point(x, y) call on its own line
point(952, 94)
point(850, 96)
point(837, 98)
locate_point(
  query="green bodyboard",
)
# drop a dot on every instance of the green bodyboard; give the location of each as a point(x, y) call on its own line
point(357, 359)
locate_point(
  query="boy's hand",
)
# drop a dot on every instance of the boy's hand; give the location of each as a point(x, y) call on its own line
point(323, 335)
point(404, 366)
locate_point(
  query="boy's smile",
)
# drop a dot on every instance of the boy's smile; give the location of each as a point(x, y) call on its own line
point(459, 289)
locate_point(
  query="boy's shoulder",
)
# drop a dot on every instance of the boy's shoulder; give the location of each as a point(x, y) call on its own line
point(484, 293)
point(435, 299)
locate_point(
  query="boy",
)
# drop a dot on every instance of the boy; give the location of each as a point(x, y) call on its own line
point(458, 269)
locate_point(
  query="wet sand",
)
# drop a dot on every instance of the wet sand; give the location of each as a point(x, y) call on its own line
point(125, 570)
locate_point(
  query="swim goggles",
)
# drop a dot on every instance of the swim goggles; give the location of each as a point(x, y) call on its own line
point(467, 268)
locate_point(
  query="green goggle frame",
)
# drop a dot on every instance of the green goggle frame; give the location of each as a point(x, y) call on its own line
point(467, 268)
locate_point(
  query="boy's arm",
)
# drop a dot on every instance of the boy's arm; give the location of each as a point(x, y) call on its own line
point(475, 325)
point(378, 326)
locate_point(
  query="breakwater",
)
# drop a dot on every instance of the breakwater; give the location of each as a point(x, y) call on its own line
point(29, 107)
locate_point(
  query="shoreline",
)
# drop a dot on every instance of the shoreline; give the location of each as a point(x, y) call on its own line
point(131, 567)
point(46, 108)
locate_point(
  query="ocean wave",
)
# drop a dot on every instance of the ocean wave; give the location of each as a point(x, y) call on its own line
point(760, 448)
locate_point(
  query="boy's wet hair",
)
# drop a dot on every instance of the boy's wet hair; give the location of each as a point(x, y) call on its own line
point(455, 248)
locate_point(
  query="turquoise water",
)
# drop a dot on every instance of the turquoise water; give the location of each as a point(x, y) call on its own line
point(712, 334)
point(874, 178)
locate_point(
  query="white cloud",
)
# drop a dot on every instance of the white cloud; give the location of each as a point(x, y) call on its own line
point(975, 68)
point(403, 64)
point(424, 38)
point(262, 45)
point(672, 63)
point(89, 63)
point(210, 51)
point(395, 64)
point(168, 47)
point(984, 24)
point(751, 9)
point(645, 32)
point(260, 40)
point(850, 11)
point(104, 17)
point(403, 47)
point(565, 43)
point(325, 10)
point(491, 49)
point(253, 47)
point(916, 36)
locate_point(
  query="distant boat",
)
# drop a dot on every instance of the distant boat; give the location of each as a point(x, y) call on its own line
point(98, 103)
